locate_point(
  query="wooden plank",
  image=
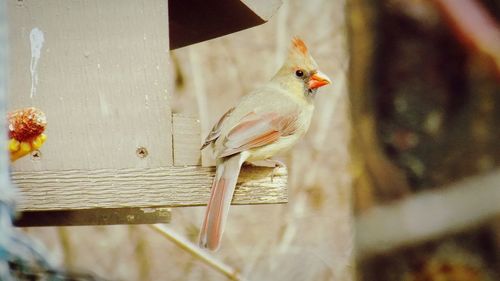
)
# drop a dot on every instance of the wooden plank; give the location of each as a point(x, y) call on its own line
point(187, 141)
point(101, 77)
point(94, 217)
point(141, 188)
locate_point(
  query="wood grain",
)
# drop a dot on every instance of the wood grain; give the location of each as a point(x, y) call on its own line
point(102, 79)
point(186, 139)
point(141, 188)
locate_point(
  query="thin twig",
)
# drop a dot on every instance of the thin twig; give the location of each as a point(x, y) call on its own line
point(141, 252)
point(201, 98)
point(202, 255)
point(67, 249)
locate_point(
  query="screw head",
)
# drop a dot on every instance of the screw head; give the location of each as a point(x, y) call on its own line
point(36, 155)
point(141, 152)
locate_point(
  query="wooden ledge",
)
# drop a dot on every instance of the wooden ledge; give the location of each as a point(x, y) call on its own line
point(133, 190)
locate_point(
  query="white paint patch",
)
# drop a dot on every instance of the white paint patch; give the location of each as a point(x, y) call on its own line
point(36, 42)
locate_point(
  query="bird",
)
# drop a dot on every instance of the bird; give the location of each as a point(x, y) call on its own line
point(266, 122)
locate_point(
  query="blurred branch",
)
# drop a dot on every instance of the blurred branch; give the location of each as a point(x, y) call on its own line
point(428, 215)
point(282, 36)
point(373, 171)
point(201, 99)
point(141, 252)
point(198, 253)
point(472, 23)
point(67, 249)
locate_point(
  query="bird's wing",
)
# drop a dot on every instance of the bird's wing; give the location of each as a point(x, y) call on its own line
point(258, 129)
point(215, 133)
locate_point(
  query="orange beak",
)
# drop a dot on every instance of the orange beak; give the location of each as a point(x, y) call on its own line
point(318, 79)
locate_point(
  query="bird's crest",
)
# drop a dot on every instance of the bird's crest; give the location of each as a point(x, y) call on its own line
point(299, 45)
point(299, 55)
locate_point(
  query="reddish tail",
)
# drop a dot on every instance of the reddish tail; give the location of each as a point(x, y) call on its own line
point(223, 187)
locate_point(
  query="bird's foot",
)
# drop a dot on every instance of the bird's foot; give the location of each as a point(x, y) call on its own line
point(276, 164)
point(271, 163)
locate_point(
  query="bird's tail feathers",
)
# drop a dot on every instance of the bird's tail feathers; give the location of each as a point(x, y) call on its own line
point(222, 192)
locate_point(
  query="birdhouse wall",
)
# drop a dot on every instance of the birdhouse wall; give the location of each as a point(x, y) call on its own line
point(99, 70)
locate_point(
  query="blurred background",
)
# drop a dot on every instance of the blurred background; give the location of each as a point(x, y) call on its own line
point(424, 92)
point(397, 178)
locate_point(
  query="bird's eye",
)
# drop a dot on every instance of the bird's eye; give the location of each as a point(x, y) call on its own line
point(299, 73)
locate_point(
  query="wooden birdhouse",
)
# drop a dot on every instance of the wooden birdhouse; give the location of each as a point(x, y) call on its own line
point(100, 71)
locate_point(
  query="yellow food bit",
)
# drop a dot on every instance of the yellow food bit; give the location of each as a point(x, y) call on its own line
point(16, 155)
point(38, 142)
point(20, 149)
point(13, 145)
point(25, 147)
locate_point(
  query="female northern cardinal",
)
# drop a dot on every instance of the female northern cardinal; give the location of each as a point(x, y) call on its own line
point(268, 121)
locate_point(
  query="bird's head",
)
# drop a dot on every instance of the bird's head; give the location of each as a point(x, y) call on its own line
point(300, 72)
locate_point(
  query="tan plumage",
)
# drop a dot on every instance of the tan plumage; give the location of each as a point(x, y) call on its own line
point(268, 121)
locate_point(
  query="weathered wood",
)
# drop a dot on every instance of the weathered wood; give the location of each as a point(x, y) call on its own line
point(94, 217)
point(120, 196)
point(186, 139)
point(140, 188)
point(100, 74)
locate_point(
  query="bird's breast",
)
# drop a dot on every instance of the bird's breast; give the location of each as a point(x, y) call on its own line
point(280, 146)
point(284, 143)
